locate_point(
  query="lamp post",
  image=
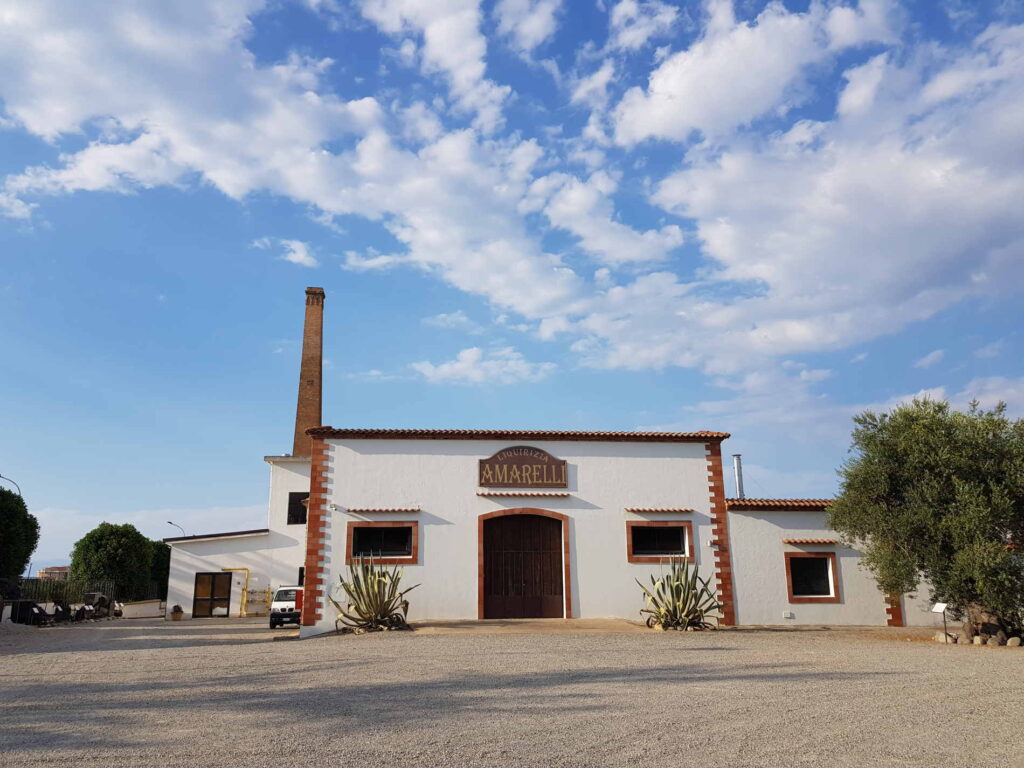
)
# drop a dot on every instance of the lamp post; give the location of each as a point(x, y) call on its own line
point(14, 484)
point(177, 526)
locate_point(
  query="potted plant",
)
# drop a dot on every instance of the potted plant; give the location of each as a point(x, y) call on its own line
point(176, 613)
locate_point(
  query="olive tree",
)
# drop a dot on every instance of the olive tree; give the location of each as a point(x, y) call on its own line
point(934, 494)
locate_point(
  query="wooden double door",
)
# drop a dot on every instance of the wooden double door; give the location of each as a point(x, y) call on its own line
point(212, 596)
point(523, 568)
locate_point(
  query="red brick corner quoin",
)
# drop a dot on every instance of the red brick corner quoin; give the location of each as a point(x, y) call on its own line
point(314, 596)
point(894, 610)
point(720, 531)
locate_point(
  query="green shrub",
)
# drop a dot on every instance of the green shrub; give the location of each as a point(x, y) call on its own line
point(680, 599)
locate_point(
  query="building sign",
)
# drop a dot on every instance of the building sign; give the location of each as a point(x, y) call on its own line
point(523, 467)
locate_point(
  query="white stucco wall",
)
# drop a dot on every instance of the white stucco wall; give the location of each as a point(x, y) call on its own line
point(917, 609)
point(440, 477)
point(287, 475)
point(273, 559)
point(759, 571)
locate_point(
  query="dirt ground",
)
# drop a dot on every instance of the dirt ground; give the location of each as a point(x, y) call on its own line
point(224, 693)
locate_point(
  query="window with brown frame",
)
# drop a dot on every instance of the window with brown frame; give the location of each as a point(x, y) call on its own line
point(387, 542)
point(654, 541)
point(812, 577)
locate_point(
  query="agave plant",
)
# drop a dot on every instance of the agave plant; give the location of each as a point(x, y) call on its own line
point(680, 599)
point(375, 600)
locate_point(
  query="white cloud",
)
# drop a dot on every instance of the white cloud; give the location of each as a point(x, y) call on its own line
point(294, 251)
point(632, 23)
point(584, 208)
point(818, 237)
point(859, 358)
point(930, 359)
point(527, 23)
point(14, 208)
point(755, 69)
point(134, 70)
point(452, 46)
point(849, 229)
point(475, 366)
point(870, 20)
point(374, 374)
point(994, 349)
point(454, 321)
point(991, 390)
point(593, 89)
point(421, 123)
point(298, 252)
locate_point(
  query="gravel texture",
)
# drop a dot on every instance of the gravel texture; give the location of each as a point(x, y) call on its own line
point(195, 694)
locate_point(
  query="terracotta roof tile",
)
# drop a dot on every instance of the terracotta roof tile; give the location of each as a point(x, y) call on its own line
point(520, 494)
point(779, 504)
point(399, 510)
point(515, 434)
point(645, 510)
point(810, 541)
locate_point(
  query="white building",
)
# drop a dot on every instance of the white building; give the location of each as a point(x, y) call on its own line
point(506, 524)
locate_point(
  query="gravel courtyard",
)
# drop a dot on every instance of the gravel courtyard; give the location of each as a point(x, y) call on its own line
point(196, 694)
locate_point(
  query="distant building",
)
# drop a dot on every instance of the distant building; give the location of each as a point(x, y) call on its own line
point(56, 572)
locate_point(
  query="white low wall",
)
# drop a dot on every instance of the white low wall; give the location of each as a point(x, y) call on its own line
point(142, 609)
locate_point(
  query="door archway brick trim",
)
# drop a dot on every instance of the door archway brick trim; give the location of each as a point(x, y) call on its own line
point(566, 569)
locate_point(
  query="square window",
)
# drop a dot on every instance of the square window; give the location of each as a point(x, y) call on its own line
point(663, 540)
point(812, 577)
point(652, 542)
point(386, 542)
point(297, 504)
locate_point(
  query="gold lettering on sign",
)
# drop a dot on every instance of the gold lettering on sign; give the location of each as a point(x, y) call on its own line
point(523, 467)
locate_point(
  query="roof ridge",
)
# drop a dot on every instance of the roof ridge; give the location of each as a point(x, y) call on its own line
point(510, 434)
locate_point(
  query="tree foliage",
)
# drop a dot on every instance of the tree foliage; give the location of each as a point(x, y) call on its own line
point(116, 552)
point(160, 567)
point(937, 494)
point(19, 534)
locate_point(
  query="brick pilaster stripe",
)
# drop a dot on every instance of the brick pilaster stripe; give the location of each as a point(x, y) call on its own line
point(313, 597)
point(894, 610)
point(720, 531)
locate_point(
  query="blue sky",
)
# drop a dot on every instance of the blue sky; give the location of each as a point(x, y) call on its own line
point(749, 217)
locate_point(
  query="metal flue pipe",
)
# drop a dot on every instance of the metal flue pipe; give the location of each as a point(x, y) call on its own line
point(737, 471)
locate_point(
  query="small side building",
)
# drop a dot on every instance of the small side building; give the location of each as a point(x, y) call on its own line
point(789, 567)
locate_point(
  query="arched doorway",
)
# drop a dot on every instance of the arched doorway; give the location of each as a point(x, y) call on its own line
point(524, 565)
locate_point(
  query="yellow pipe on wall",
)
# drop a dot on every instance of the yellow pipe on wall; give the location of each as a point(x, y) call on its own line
point(243, 610)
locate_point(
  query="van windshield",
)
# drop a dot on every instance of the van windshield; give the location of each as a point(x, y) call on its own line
point(284, 596)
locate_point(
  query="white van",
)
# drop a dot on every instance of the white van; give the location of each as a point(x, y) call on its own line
point(286, 607)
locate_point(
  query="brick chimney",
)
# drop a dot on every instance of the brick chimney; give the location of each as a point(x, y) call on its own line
point(309, 411)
